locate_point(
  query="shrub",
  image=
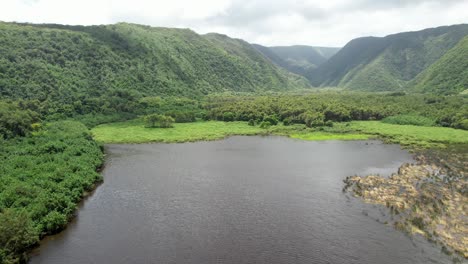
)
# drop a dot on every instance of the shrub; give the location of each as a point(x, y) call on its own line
point(54, 222)
point(182, 117)
point(463, 124)
point(251, 122)
point(150, 120)
point(228, 116)
point(162, 121)
point(329, 123)
point(414, 120)
point(272, 119)
point(166, 121)
point(265, 124)
point(313, 119)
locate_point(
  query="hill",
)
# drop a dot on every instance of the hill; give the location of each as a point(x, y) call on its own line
point(298, 59)
point(388, 63)
point(66, 62)
point(447, 75)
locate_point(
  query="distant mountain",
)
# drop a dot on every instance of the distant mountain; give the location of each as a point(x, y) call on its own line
point(297, 59)
point(447, 75)
point(65, 62)
point(388, 63)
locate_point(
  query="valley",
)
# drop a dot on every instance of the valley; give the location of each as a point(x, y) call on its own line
point(273, 143)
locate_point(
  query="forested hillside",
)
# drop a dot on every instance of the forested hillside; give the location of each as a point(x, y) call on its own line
point(298, 59)
point(447, 75)
point(389, 63)
point(68, 62)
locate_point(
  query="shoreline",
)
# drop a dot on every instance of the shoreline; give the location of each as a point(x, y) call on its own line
point(296, 134)
point(424, 198)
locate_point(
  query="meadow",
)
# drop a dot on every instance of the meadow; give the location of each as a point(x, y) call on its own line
point(134, 131)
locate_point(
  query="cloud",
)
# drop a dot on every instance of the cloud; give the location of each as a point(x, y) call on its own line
point(278, 22)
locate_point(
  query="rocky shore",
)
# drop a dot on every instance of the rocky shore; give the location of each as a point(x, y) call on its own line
point(429, 197)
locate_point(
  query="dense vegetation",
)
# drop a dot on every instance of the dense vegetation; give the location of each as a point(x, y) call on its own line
point(76, 64)
point(319, 109)
point(43, 177)
point(447, 75)
point(187, 84)
point(390, 63)
point(409, 120)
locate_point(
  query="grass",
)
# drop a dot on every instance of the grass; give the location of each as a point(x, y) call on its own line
point(133, 131)
point(410, 135)
point(317, 136)
point(409, 120)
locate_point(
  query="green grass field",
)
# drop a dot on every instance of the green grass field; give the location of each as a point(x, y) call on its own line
point(134, 132)
point(411, 135)
point(319, 136)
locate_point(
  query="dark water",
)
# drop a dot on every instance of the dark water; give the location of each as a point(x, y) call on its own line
point(239, 200)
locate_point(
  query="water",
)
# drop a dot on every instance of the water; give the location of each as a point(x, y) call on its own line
point(238, 200)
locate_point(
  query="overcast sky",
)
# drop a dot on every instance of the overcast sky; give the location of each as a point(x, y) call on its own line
point(267, 22)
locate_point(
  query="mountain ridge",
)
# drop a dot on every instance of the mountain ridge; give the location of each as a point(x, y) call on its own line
point(44, 60)
point(386, 63)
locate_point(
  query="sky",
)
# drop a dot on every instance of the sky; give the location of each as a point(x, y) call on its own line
point(267, 22)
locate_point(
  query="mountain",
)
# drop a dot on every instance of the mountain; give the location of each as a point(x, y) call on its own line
point(387, 63)
point(447, 75)
point(298, 59)
point(65, 62)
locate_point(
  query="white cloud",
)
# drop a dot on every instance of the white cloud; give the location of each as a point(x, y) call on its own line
point(268, 22)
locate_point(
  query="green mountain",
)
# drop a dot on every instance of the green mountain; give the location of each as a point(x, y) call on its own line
point(298, 59)
point(388, 63)
point(447, 75)
point(66, 62)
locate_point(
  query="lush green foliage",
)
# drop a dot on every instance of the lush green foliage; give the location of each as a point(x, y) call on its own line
point(265, 124)
point(320, 109)
point(106, 69)
point(409, 120)
point(42, 178)
point(389, 63)
point(15, 121)
point(448, 75)
point(162, 121)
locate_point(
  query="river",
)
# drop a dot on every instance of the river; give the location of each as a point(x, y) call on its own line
point(238, 200)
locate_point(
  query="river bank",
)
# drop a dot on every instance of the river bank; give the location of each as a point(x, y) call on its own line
point(134, 131)
point(244, 199)
point(428, 197)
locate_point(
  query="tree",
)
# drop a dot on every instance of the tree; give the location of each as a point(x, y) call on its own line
point(272, 119)
point(151, 120)
point(166, 121)
point(313, 119)
point(17, 234)
point(228, 116)
point(163, 121)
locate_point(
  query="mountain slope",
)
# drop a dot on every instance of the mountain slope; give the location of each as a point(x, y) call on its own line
point(388, 63)
point(447, 75)
point(65, 62)
point(298, 59)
